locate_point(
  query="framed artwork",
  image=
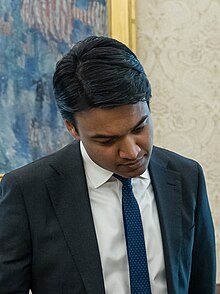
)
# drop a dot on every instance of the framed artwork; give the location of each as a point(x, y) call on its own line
point(33, 37)
point(122, 21)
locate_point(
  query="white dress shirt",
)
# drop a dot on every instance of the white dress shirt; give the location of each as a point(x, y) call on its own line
point(105, 193)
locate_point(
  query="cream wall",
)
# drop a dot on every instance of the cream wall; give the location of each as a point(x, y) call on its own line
point(178, 43)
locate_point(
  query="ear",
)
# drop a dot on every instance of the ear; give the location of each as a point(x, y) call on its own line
point(72, 130)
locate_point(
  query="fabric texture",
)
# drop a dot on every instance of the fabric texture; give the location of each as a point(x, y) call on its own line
point(137, 259)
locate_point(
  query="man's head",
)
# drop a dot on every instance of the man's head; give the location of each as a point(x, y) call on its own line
point(103, 95)
point(98, 72)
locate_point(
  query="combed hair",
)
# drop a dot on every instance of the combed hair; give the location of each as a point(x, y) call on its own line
point(98, 72)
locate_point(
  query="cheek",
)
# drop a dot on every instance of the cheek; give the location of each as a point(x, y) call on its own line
point(101, 154)
point(149, 134)
point(145, 141)
point(107, 154)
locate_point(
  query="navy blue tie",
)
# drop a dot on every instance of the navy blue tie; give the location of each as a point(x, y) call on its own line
point(137, 257)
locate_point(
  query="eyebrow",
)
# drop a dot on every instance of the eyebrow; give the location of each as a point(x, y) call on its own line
point(103, 136)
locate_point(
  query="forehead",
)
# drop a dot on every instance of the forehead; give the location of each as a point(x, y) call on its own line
point(111, 120)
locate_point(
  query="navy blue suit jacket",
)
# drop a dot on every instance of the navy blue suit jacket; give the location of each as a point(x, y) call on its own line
point(47, 236)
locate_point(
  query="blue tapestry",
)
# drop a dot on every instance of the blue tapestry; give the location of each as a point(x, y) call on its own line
point(34, 34)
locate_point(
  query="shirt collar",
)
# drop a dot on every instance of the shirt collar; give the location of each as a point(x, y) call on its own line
point(98, 175)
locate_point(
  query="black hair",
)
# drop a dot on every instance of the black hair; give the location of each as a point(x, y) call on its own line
point(98, 72)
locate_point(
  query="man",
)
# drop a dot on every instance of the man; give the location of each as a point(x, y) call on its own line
point(63, 223)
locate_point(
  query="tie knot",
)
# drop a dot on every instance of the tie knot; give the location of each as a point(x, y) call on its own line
point(125, 181)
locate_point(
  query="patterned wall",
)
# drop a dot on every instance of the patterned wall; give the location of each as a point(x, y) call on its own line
point(178, 43)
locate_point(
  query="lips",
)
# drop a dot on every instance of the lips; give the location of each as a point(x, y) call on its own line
point(133, 164)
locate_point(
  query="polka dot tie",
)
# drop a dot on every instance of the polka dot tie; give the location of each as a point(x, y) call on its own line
point(137, 259)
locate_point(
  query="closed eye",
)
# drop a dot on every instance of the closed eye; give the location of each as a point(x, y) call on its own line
point(107, 142)
point(138, 130)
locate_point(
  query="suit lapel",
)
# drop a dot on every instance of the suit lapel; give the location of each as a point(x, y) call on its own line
point(69, 196)
point(167, 189)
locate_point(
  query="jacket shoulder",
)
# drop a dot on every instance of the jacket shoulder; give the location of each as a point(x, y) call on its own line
point(44, 167)
point(174, 161)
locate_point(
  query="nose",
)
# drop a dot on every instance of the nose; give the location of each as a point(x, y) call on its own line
point(129, 149)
